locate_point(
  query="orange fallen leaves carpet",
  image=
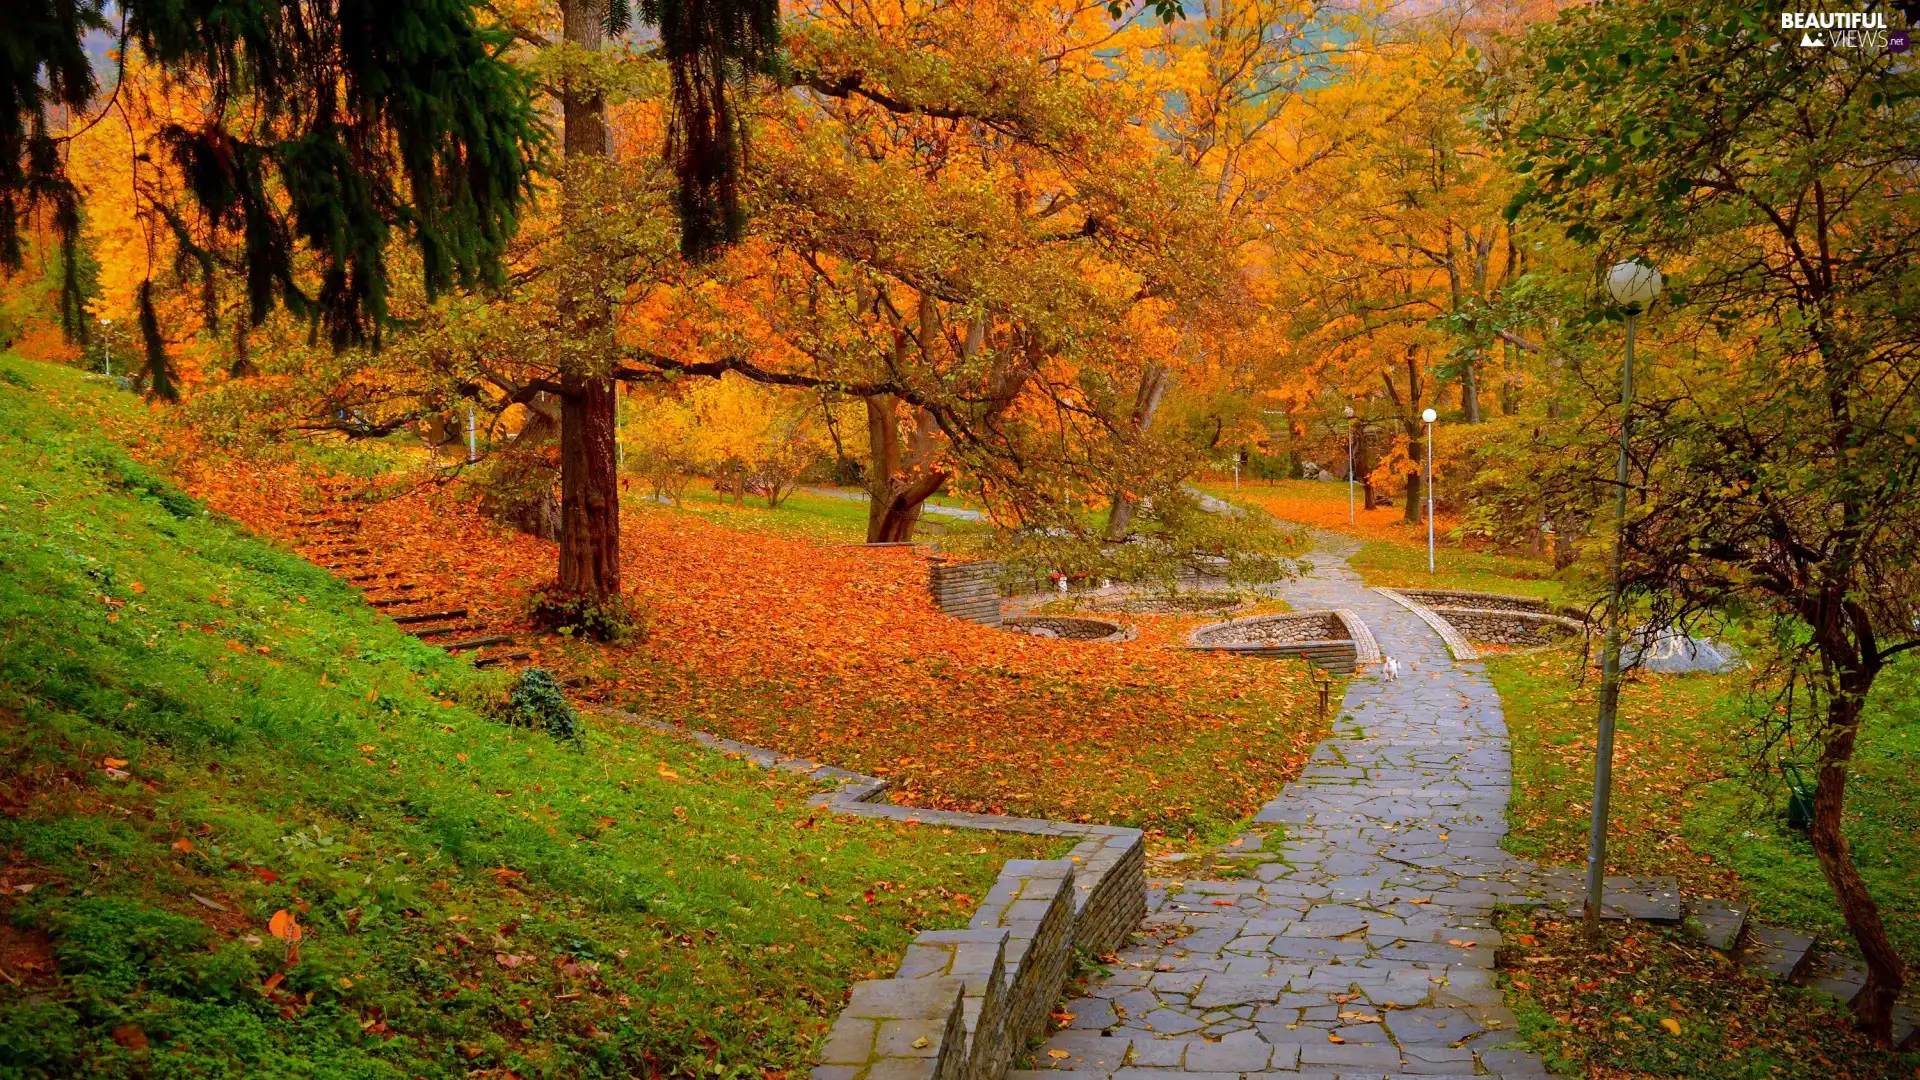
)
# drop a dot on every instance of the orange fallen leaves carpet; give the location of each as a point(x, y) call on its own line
point(837, 654)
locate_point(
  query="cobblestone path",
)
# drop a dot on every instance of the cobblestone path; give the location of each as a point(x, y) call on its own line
point(1349, 934)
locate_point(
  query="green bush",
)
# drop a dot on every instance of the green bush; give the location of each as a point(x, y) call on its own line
point(537, 701)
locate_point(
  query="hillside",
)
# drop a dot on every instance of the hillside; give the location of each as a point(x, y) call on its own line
point(251, 828)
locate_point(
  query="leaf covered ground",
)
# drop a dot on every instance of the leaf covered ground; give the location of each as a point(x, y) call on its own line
point(1643, 1003)
point(761, 628)
point(249, 828)
point(1685, 803)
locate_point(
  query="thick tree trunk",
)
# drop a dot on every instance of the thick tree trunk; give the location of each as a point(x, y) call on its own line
point(1886, 974)
point(589, 474)
point(1470, 392)
point(589, 490)
point(900, 478)
point(1413, 498)
point(1146, 402)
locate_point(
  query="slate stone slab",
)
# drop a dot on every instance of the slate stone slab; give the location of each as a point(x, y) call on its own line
point(1647, 899)
point(1720, 922)
point(1780, 953)
point(1835, 973)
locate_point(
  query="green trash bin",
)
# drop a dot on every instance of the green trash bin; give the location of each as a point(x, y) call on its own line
point(1799, 798)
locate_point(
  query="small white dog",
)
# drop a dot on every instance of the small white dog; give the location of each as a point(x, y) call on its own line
point(1391, 669)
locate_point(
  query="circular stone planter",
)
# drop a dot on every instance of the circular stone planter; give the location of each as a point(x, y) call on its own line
point(1205, 603)
point(1071, 628)
point(1332, 639)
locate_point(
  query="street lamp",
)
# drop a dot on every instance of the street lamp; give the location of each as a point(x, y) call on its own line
point(1634, 285)
point(1429, 416)
point(1349, 413)
point(106, 342)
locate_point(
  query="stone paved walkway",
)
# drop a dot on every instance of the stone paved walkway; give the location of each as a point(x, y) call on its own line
point(1351, 934)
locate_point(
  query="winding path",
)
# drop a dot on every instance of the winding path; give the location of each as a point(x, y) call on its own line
point(1352, 936)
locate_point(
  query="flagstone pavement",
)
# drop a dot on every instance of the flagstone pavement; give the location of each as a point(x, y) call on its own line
point(1349, 933)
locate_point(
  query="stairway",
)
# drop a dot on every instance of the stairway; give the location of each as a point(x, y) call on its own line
point(331, 538)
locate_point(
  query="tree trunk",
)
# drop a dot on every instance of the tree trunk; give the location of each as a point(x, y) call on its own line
point(1470, 391)
point(589, 475)
point(1413, 498)
point(1363, 465)
point(1146, 402)
point(589, 490)
point(1886, 974)
point(900, 479)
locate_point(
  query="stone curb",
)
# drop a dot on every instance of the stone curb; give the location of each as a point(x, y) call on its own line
point(965, 1002)
point(1455, 641)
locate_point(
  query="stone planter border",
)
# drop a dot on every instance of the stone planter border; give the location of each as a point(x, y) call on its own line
point(1355, 650)
point(965, 1002)
point(1120, 632)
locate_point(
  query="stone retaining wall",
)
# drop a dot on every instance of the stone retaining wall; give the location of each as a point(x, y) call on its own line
point(1523, 628)
point(964, 1002)
point(1333, 639)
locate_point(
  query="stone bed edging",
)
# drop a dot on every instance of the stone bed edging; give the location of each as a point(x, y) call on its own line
point(965, 1003)
point(1456, 642)
point(1365, 649)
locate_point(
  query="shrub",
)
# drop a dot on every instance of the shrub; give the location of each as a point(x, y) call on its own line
point(537, 701)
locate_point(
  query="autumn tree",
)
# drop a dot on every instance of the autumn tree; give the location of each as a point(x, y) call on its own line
point(1776, 463)
point(331, 128)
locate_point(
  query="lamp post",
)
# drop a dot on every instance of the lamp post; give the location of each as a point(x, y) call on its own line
point(106, 343)
point(1634, 285)
point(1429, 416)
point(1349, 413)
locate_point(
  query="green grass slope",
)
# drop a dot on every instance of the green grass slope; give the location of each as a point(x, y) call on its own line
point(199, 731)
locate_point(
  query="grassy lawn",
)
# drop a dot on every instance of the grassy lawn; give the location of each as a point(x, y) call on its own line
point(1648, 1003)
point(1393, 553)
point(810, 515)
point(1682, 803)
point(199, 733)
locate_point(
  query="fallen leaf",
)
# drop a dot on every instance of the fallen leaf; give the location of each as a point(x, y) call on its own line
point(284, 926)
point(1332, 1038)
point(112, 762)
point(1058, 1054)
point(1364, 1018)
point(206, 903)
point(1672, 1025)
point(130, 1036)
point(666, 773)
point(183, 844)
point(1421, 900)
point(921, 1043)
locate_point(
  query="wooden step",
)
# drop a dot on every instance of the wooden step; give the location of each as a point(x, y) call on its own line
point(431, 616)
point(501, 658)
point(333, 553)
point(376, 576)
point(436, 631)
point(474, 643)
point(1720, 922)
point(396, 601)
point(1780, 953)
